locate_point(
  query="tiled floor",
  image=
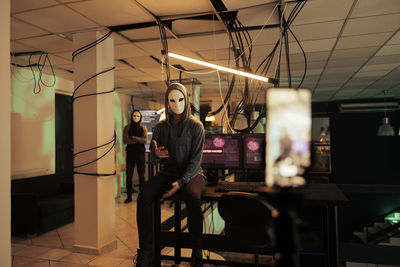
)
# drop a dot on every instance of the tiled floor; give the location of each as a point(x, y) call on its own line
point(54, 249)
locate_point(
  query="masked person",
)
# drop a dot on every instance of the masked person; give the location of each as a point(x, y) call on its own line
point(135, 136)
point(177, 143)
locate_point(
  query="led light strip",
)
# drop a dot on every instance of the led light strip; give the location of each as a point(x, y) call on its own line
point(210, 65)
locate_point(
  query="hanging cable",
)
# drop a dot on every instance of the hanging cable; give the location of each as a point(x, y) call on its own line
point(90, 45)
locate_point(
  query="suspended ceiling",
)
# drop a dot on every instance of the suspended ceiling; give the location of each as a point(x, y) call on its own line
point(352, 47)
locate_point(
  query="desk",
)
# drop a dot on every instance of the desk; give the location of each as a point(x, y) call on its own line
point(328, 196)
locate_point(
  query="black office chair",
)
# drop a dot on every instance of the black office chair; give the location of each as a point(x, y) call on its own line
point(248, 221)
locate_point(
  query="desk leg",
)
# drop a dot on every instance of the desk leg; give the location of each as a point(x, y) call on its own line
point(178, 228)
point(156, 231)
point(333, 236)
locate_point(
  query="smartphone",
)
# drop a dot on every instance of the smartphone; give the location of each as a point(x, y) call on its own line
point(288, 136)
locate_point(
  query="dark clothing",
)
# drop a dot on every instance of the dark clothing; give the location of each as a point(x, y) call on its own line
point(135, 154)
point(133, 158)
point(184, 142)
point(154, 189)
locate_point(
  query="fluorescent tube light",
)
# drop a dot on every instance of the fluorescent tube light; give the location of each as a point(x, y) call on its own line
point(210, 65)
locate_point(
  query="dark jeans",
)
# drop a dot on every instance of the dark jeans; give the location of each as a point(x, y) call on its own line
point(152, 190)
point(132, 159)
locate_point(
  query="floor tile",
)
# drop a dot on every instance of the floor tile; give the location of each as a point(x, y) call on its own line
point(32, 251)
point(64, 264)
point(54, 248)
point(21, 240)
point(16, 247)
point(55, 254)
point(78, 258)
point(123, 251)
point(107, 260)
point(49, 239)
point(19, 261)
point(126, 263)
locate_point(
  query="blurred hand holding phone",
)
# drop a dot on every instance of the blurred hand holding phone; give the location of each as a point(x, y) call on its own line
point(288, 136)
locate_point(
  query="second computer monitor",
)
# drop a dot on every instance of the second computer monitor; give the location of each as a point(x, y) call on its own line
point(222, 151)
point(254, 151)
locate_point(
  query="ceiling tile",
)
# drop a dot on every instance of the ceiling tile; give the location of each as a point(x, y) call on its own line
point(258, 16)
point(311, 56)
point(238, 4)
point(261, 51)
point(111, 13)
point(144, 33)
point(366, 40)
point(154, 48)
point(206, 42)
point(219, 54)
point(118, 39)
point(322, 30)
point(65, 55)
point(375, 24)
point(65, 67)
point(354, 87)
point(364, 52)
point(170, 8)
point(379, 67)
point(389, 50)
point(121, 82)
point(187, 26)
point(395, 39)
point(375, 73)
point(22, 5)
point(20, 29)
point(19, 47)
point(55, 60)
point(347, 93)
point(143, 62)
point(312, 46)
point(127, 73)
point(50, 43)
point(57, 19)
point(320, 11)
point(375, 7)
point(120, 66)
point(353, 63)
point(264, 36)
point(69, 1)
point(128, 50)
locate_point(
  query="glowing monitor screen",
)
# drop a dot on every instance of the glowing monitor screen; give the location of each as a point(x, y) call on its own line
point(288, 136)
point(222, 151)
point(254, 151)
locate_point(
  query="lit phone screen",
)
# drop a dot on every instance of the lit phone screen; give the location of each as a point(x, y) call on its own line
point(288, 136)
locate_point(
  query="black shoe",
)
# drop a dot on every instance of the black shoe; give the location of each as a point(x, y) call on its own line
point(128, 200)
point(197, 258)
point(144, 258)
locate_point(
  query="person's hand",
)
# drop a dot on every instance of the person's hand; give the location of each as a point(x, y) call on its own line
point(175, 187)
point(134, 138)
point(159, 152)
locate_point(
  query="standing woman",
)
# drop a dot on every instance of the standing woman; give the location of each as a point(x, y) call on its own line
point(135, 136)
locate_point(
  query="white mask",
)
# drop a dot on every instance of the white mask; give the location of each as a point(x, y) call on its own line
point(136, 117)
point(176, 101)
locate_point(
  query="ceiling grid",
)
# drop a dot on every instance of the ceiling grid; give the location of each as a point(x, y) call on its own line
point(352, 47)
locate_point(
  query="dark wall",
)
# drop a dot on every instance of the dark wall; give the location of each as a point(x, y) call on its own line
point(359, 156)
point(367, 162)
point(64, 135)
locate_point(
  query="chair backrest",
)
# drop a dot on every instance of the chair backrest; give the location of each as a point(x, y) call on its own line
point(247, 218)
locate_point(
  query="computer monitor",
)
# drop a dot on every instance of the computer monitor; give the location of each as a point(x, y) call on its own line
point(254, 151)
point(222, 151)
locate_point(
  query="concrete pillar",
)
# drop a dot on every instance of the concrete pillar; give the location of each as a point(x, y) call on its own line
point(5, 140)
point(196, 99)
point(93, 127)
